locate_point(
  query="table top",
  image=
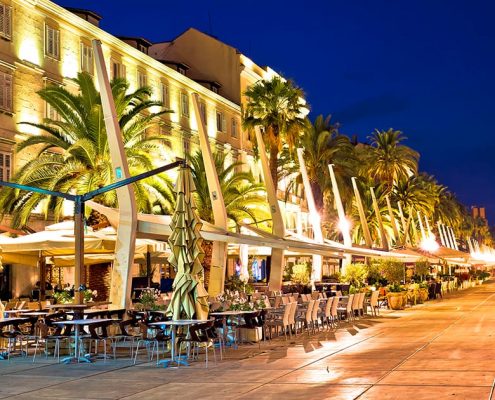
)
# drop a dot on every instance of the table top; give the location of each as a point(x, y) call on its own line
point(82, 321)
point(231, 312)
point(68, 306)
point(13, 311)
point(179, 322)
point(35, 313)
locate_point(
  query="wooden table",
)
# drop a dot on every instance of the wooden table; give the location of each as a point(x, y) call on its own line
point(174, 324)
point(77, 323)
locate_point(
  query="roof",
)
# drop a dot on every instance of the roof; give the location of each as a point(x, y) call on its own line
point(140, 39)
point(84, 11)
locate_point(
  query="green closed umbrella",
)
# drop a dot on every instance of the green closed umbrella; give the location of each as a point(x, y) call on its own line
point(186, 253)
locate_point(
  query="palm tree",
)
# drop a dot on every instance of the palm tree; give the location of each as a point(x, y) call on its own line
point(389, 160)
point(277, 106)
point(72, 153)
point(245, 201)
point(371, 217)
point(323, 145)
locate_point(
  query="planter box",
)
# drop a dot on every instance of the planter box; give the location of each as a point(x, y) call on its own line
point(250, 335)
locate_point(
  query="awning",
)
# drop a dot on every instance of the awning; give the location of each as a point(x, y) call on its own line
point(158, 227)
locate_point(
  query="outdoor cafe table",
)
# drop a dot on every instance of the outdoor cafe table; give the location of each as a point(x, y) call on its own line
point(77, 323)
point(224, 315)
point(14, 321)
point(76, 308)
point(174, 324)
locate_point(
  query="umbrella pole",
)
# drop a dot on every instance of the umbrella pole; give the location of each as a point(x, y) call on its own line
point(79, 246)
point(42, 263)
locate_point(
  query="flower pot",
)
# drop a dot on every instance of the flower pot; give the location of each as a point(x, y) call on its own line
point(397, 300)
point(423, 294)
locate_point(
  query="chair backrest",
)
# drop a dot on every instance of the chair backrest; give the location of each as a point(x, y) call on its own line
point(285, 300)
point(324, 295)
point(335, 305)
point(315, 295)
point(309, 311)
point(316, 308)
point(355, 301)
point(350, 300)
point(339, 293)
point(278, 300)
point(292, 314)
point(21, 305)
point(374, 298)
point(41, 329)
point(328, 306)
point(285, 318)
point(295, 295)
point(361, 300)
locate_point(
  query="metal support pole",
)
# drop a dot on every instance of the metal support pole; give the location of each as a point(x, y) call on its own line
point(79, 247)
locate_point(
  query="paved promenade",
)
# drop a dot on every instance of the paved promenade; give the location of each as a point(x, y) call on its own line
point(442, 350)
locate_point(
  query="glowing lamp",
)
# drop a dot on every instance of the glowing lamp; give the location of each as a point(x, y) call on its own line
point(429, 244)
point(344, 225)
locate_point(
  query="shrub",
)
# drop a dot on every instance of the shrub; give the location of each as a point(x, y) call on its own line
point(355, 274)
point(391, 269)
point(300, 274)
point(422, 267)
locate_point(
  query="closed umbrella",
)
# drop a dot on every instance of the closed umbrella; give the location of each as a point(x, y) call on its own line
point(186, 254)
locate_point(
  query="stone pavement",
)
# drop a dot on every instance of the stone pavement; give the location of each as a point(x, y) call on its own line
point(443, 349)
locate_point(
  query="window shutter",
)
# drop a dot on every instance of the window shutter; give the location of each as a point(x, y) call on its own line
point(2, 90)
point(8, 92)
point(56, 40)
point(8, 21)
point(6, 172)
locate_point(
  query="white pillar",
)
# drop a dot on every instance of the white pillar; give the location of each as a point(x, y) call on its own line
point(343, 221)
point(120, 287)
point(314, 216)
point(392, 219)
point(219, 250)
point(440, 232)
point(383, 234)
point(278, 228)
point(362, 215)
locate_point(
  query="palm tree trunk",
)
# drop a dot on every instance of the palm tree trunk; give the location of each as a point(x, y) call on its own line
point(274, 165)
point(318, 196)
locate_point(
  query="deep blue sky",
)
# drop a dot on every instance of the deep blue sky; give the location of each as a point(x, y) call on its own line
point(425, 67)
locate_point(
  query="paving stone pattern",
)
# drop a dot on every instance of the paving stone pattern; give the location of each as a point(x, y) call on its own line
point(441, 350)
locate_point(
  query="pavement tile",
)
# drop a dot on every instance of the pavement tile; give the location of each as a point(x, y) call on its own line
point(385, 392)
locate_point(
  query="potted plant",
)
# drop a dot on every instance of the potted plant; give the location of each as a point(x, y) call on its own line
point(396, 296)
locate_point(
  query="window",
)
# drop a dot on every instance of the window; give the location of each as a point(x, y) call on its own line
point(118, 69)
point(5, 21)
point(181, 70)
point(6, 91)
point(5, 165)
point(142, 48)
point(165, 95)
point(214, 89)
point(52, 42)
point(86, 58)
point(221, 122)
point(202, 111)
point(184, 104)
point(233, 131)
point(141, 79)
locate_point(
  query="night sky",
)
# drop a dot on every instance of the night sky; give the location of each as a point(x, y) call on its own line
point(425, 67)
